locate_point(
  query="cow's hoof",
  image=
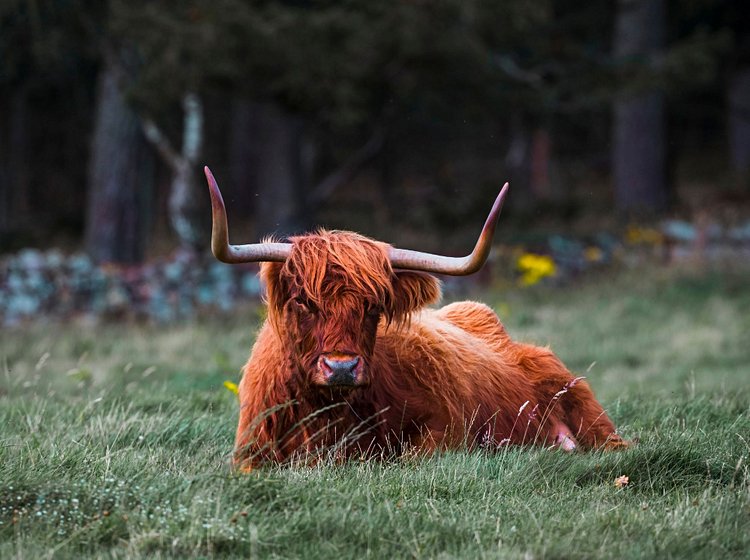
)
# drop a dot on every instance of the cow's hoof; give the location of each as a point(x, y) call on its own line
point(563, 438)
point(616, 443)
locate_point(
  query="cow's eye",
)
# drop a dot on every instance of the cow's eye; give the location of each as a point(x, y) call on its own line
point(372, 310)
point(304, 305)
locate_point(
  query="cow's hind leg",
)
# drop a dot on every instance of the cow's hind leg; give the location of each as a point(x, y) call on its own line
point(587, 418)
point(569, 400)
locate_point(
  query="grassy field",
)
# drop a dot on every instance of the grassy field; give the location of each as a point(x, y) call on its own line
point(114, 443)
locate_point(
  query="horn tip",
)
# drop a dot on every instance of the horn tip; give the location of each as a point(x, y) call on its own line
point(213, 186)
point(500, 200)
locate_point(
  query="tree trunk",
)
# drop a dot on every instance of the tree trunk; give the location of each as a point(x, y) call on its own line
point(739, 127)
point(184, 201)
point(281, 183)
point(186, 213)
point(518, 161)
point(14, 162)
point(639, 147)
point(243, 155)
point(114, 217)
point(19, 152)
point(5, 186)
point(273, 158)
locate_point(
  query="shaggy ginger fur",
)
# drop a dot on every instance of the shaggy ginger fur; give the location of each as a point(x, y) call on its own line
point(431, 378)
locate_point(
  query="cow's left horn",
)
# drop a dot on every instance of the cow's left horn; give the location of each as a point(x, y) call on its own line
point(455, 266)
point(255, 252)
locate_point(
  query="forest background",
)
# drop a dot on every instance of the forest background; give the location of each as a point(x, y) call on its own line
point(396, 119)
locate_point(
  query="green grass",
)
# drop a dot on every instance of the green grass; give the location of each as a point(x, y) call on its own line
point(114, 443)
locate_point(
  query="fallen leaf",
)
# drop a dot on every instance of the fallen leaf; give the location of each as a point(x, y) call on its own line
point(621, 481)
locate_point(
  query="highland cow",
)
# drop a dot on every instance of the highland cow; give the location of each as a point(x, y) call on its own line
point(351, 361)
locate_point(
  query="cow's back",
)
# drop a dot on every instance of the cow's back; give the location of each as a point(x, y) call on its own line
point(451, 365)
point(477, 319)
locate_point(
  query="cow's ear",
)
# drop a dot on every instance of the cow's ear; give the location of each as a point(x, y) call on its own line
point(412, 290)
point(270, 277)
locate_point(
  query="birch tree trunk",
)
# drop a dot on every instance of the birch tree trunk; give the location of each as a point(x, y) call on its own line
point(184, 203)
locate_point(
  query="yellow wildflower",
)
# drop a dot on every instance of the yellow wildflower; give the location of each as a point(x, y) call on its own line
point(593, 254)
point(535, 267)
point(639, 235)
point(232, 387)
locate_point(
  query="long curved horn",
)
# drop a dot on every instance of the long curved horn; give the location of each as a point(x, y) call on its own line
point(455, 266)
point(232, 254)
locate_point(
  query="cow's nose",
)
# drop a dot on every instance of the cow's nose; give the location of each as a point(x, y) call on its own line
point(340, 371)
